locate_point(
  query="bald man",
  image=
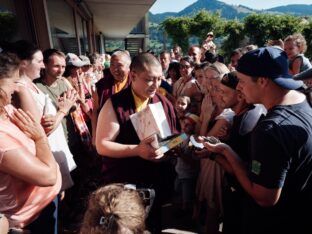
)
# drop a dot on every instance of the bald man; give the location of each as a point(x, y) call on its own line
point(196, 53)
point(116, 78)
point(125, 157)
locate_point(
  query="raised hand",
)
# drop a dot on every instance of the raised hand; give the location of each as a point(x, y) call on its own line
point(28, 125)
point(67, 100)
point(207, 107)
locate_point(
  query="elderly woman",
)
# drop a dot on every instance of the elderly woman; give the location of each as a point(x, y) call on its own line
point(214, 121)
point(29, 175)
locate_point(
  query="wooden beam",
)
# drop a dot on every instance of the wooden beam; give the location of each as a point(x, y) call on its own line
point(79, 10)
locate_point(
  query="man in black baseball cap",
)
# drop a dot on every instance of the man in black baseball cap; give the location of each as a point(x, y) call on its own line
point(278, 177)
point(268, 62)
point(267, 65)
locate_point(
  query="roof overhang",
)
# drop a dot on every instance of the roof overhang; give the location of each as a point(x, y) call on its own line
point(116, 18)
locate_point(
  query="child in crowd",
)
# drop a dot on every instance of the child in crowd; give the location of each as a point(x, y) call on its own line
point(187, 166)
point(114, 209)
point(208, 44)
point(295, 46)
point(181, 105)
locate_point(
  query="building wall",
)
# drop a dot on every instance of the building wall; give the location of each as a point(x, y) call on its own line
point(67, 26)
point(50, 24)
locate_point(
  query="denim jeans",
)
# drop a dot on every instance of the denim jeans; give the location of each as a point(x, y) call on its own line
point(47, 220)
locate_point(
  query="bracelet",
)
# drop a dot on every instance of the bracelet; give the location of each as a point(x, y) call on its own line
point(63, 112)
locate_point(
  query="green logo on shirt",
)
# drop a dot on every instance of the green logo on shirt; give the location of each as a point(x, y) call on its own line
point(255, 167)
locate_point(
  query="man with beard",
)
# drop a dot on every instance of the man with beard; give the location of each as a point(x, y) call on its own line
point(245, 119)
point(277, 177)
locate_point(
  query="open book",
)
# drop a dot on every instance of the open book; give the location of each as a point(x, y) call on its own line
point(152, 121)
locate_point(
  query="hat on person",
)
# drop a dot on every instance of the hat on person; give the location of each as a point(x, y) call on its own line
point(210, 34)
point(85, 59)
point(73, 60)
point(230, 80)
point(192, 117)
point(269, 62)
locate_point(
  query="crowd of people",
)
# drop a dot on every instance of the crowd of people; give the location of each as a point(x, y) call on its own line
point(70, 158)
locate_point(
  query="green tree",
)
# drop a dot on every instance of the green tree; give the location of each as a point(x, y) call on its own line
point(233, 35)
point(307, 33)
point(204, 22)
point(261, 28)
point(178, 28)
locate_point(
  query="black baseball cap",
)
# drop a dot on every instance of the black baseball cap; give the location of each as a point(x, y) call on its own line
point(269, 62)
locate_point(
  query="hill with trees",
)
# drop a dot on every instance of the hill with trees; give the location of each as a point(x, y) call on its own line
point(233, 26)
point(231, 11)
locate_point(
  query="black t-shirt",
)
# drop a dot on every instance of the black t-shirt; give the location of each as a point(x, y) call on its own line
point(281, 154)
point(240, 143)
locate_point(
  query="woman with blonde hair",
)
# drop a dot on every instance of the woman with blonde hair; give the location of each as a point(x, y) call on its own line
point(114, 209)
point(214, 121)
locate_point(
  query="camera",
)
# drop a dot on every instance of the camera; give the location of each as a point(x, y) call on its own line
point(147, 195)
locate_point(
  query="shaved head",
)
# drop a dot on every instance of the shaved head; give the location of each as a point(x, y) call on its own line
point(141, 61)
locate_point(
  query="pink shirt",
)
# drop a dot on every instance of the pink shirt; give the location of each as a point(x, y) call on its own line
point(20, 201)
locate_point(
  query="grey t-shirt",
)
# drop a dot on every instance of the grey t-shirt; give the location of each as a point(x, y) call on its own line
point(54, 93)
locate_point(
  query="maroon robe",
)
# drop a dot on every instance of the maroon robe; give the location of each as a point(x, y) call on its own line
point(134, 169)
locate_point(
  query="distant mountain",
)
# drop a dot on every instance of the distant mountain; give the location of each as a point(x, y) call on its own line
point(231, 11)
point(294, 9)
point(227, 11)
point(158, 18)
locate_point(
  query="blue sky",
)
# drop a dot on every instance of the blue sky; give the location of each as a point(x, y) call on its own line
point(161, 6)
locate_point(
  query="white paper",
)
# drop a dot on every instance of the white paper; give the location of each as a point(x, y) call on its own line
point(151, 120)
